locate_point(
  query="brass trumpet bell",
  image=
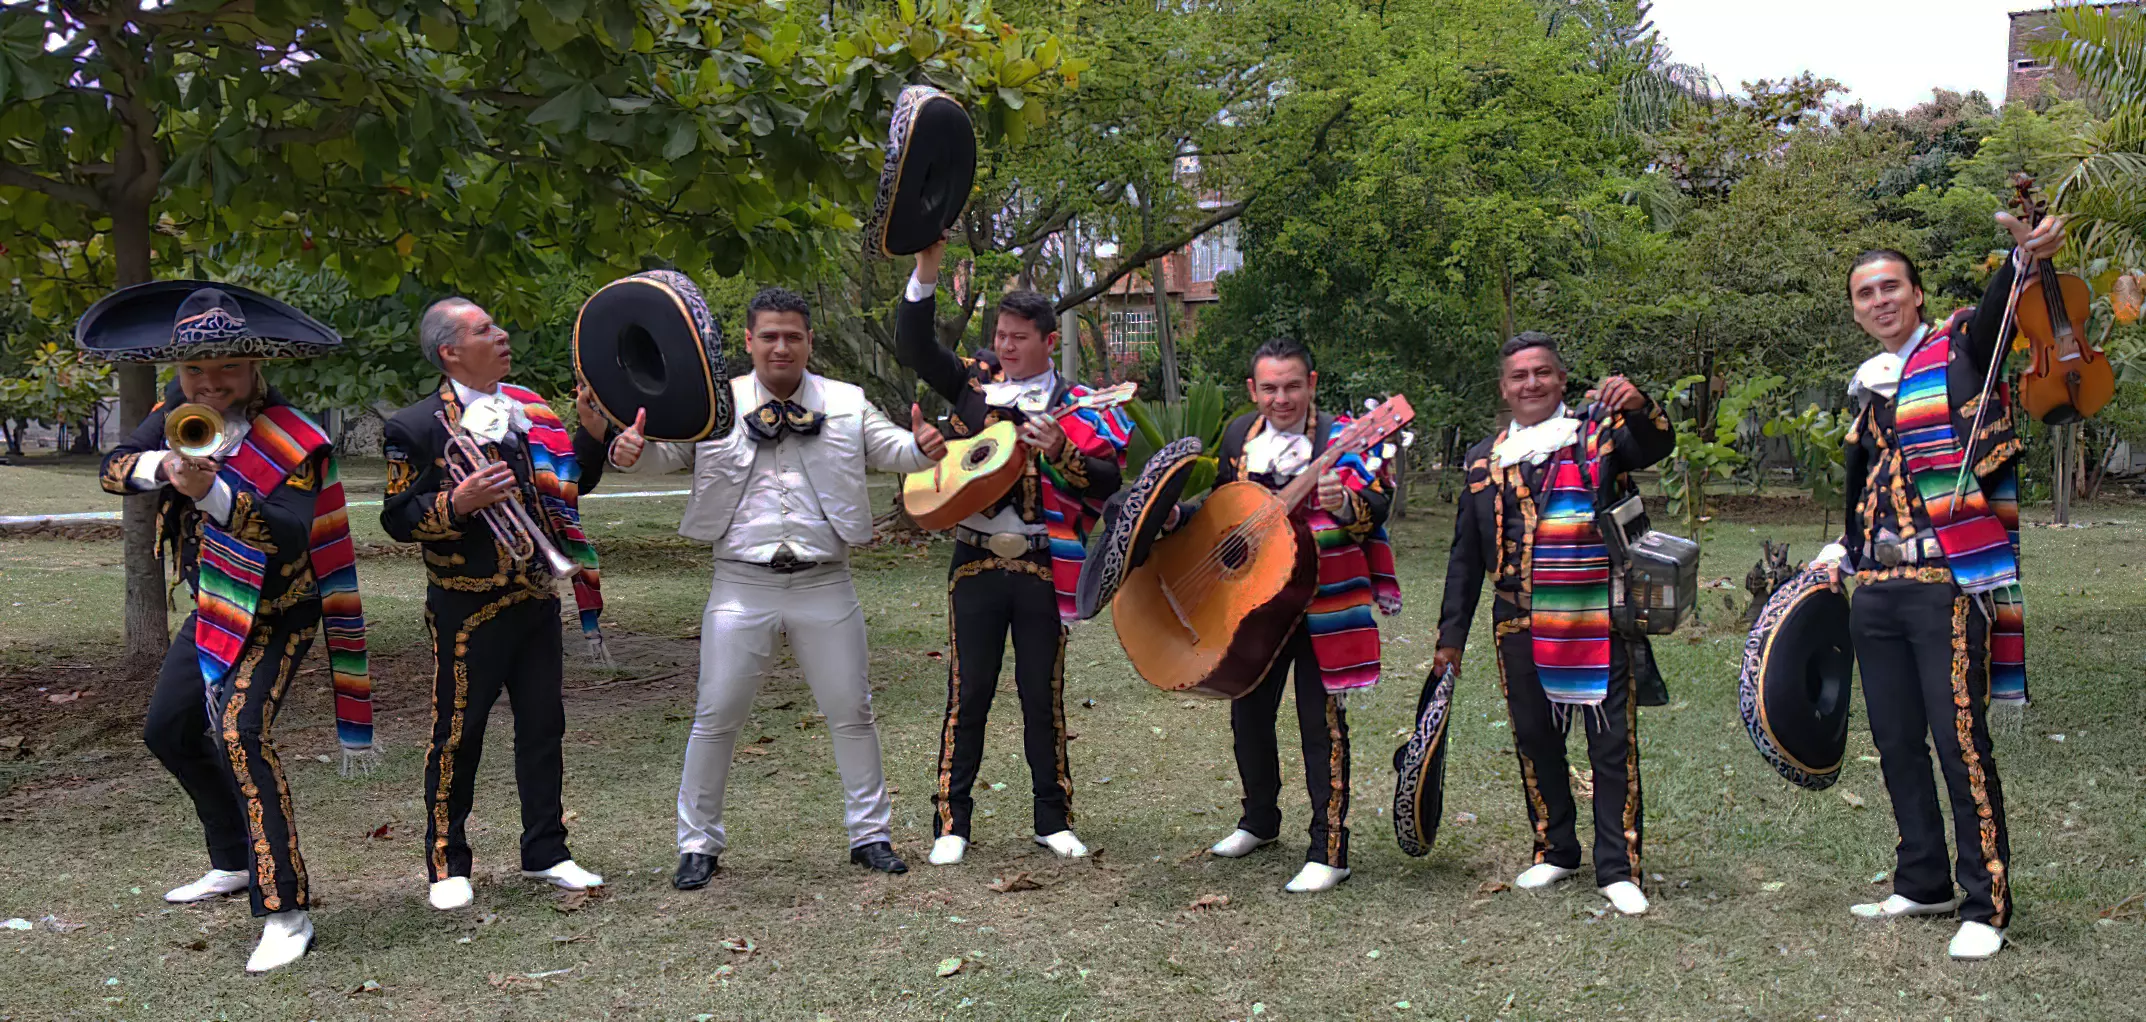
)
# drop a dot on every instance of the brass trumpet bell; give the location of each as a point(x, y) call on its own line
point(196, 430)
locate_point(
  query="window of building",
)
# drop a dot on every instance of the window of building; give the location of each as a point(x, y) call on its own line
point(2025, 64)
point(1132, 333)
point(1215, 253)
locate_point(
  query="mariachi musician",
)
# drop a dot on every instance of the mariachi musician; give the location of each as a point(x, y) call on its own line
point(1016, 563)
point(1526, 522)
point(248, 500)
point(494, 616)
point(1271, 446)
point(1936, 615)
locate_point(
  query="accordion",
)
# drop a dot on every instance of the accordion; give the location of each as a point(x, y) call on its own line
point(1654, 576)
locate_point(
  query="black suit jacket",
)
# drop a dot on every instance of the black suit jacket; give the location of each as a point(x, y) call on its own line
point(460, 552)
point(961, 382)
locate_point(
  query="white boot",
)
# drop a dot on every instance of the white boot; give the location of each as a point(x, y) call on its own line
point(1541, 875)
point(1975, 942)
point(1626, 897)
point(1315, 876)
point(1063, 844)
point(566, 875)
point(214, 884)
point(948, 850)
point(285, 937)
point(1897, 906)
point(452, 893)
point(1239, 844)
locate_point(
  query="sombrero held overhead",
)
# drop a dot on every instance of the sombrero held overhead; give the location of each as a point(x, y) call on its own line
point(1132, 519)
point(1798, 670)
point(648, 342)
point(931, 164)
point(193, 320)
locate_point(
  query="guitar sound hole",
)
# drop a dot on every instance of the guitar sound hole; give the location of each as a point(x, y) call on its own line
point(1235, 554)
point(979, 454)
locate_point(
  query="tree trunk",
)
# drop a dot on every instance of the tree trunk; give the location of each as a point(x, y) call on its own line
point(1171, 390)
point(84, 439)
point(147, 630)
point(2060, 486)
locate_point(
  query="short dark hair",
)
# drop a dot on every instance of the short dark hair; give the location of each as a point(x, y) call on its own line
point(1284, 348)
point(1885, 255)
point(1520, 342)
point(777, 299)
point(1033, 307)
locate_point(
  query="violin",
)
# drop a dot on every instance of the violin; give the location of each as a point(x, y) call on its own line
point(2066, 379)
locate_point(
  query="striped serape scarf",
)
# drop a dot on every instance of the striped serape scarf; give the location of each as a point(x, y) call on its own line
point(1570, 580)
point(230, 571)
point(1355, 573)
point(1979, 532)
point(557, 477)
point(1067, 517)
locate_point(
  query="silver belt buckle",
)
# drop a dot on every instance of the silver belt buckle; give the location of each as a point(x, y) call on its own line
point(1009, 545)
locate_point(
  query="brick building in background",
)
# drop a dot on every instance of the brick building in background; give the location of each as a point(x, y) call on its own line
point(2026, 76)
point(1188, 283)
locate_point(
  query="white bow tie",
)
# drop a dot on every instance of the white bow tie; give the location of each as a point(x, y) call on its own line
point(1277, 453)
point(1534, 444)
point(493, 416)
point(1029, 395)
point(1879, 374)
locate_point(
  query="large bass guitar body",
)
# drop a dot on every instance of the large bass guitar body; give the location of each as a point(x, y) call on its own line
point(1216, 600)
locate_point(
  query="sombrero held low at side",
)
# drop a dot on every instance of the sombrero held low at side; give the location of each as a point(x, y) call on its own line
point(1798, 672)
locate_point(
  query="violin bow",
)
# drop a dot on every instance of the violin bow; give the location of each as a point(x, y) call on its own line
point(1989, 376)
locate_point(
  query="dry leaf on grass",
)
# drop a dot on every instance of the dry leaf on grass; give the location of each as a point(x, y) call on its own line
point(755, 750)
point(575, 901)
point(383, 832)
point(1492, 887)
point(2127, 908)
point(58, 925)
point(1210, 901)
point(196, 944)
point(1850, 797)
point(371, 986)
point(740, 945)
point(1022, 881)
point(513, 982)
point(64, 697)
point(950, 966)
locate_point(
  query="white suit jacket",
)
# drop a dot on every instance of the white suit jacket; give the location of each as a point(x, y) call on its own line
point(855, 437)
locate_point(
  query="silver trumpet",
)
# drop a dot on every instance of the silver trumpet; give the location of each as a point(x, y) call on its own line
point(521, 536)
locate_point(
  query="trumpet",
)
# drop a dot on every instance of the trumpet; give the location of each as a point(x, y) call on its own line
point(196, 431)
point(518, 534)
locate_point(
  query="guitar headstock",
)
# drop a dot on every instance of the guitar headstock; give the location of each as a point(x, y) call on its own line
point(1376, 425)
point(1109, 397)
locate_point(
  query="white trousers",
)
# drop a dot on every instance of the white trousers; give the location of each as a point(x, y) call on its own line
point(748, 606)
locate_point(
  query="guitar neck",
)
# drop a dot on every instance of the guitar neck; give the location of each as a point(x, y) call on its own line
point(1301, 487)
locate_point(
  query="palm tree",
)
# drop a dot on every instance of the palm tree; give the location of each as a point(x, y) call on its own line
point(2104, 47)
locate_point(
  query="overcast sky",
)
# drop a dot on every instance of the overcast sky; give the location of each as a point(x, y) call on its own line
point(1890, 53)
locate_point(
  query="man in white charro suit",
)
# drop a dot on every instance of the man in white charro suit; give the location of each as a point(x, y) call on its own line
point(782, 498)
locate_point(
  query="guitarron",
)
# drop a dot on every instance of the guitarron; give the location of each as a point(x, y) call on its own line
point(1212, 606)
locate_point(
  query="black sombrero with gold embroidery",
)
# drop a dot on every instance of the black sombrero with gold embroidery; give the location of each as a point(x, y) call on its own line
point(194, 320)
point(1799, 668)
point(1419, 768)
point(649, 342)
point(931, 164)
point(1132, 519)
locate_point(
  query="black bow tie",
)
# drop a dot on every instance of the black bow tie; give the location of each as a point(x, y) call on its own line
point(770, 421)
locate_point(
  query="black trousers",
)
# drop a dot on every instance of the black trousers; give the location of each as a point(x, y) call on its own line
point(484, 644)
point(987, 597)
point(1539, 736)
point(232, 772)
point(1324, 728)
point(1923, 651)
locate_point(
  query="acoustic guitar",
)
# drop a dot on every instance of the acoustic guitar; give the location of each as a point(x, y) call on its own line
point(977, 471)
point(1216, 600)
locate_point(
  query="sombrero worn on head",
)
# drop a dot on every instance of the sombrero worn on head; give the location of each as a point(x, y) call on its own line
point(648, 342)
point(1132, 519)
point(931, 164)
point(1419, 766)
point(1798, 670)
point(192, 320)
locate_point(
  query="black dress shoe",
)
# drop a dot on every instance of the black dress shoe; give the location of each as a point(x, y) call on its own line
point(878, 855)
point(694, 869)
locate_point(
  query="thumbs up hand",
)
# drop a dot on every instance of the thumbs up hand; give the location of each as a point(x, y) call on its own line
point(627, 448)
point(929, 439)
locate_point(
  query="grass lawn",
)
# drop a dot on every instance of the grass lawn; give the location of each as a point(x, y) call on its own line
point(1751, 878)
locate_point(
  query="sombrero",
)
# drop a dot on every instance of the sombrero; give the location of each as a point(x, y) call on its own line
point(931, 163)
point(648, 342)
point(1419, 766)
point(1798, 670)
point(189, 320)
point(1132, 519)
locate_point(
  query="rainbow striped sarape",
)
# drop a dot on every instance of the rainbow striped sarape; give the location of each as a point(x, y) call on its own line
point(1067, 518)
point(557, 478)
point(1570, 620)
point(230, 572)
point(1978, 530)
point(1356, 574)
